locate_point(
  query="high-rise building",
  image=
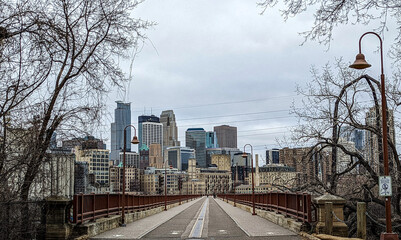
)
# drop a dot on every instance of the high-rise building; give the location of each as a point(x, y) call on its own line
point(132, 179)
point(98, 161)
point(131, 159)
point(211, 140)
point(155, 156)
point(150, 130)
point(178, 157)
point(87, 142)
point(354, 135)
point(226, 136)
point(170, 131)
point(344, 160)
point(373, 142)
point(317, 165)
point(144, 156)
point(122, 118)
point(195, 138)
point(222, 161)
point(273, 156)
point(225, 151)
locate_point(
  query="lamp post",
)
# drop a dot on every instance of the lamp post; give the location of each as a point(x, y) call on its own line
point(134, 141)
point(235, 179)
point(244, 155)
point(360, 63)
point(165, 185)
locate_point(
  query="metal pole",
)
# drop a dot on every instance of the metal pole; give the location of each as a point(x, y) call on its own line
point(125, 143)
point(235, 179)
point(179, 186)
point(388, 234)
point(384, 128)
point(165, 187)
point(253, 186)
point(385, 153)
point(134, 141)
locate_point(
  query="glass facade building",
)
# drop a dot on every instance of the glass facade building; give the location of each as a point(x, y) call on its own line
point(178, 157)
point(195, 138)
point(122, 118)
point(211, 140)
point(273, 156)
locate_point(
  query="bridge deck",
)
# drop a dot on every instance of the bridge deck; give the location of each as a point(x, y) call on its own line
point(219, 220)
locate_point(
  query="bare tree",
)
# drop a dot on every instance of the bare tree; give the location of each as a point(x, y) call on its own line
point(57, 61)
point(331, 14)
point(338, 101)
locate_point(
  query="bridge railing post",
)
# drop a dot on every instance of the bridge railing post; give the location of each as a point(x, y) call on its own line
point(361, 220)
point(335, 210)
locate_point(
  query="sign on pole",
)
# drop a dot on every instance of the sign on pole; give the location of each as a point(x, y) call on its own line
point(385, 186)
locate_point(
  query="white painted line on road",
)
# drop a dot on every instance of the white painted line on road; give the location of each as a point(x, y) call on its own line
point(198, 226)
point(160, 223)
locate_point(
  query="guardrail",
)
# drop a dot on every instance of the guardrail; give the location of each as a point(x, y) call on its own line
point(93, 206)
point(294, 205)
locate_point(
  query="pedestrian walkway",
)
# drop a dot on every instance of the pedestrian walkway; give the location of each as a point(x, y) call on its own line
point(253, 225)
point(141, 227)
point(203, 218)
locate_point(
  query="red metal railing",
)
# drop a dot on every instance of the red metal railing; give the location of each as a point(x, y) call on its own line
point(294, 205)
point(93, 206)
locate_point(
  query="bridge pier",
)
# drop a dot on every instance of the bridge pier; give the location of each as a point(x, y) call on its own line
point(57, 226)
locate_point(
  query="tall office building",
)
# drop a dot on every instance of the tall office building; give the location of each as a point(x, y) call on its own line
point(354, 135)
point(372, 150)
point(226, 136)
point(178, 157)
point(144, 156)
point(211, 140)
point(195, 138)
point(170, 132)
point(122, 118)
point(155, 156)
point(152, 133)
point(273, 156)
point(149, 128)
point(98, 163)
point(131, 159)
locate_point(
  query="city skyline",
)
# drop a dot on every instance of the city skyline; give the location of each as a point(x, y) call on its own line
point(232, 67)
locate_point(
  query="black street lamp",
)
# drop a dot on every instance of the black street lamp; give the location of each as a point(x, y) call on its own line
point(245, 155)
point(134, 141)
point(360, 63)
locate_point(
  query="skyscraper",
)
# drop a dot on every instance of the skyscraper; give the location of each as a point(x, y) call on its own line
point(373, 142)
point(141, 121)
point(226, 136)
point(170, 132)
point(354, 135)
point(273, 156)
point(122, 118)
point(211, 140)
point(150, 131)
point(195, 138)
point(178, 157)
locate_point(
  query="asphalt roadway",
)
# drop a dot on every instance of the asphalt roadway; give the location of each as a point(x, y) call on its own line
point(205, 218)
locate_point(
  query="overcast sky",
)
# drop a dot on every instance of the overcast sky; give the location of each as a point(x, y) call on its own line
point(221, 62)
